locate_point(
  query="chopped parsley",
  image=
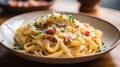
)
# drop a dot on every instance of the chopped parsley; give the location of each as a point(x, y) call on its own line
point(54, 26)
point(37, 33)
point(73, 32)
point(15, 44)
point(51, 15)
point(65, 25)
point(77, 36)
point(95, 41)
point(71, 18)
point(36, 24)
point(103, 43)
point(16, 47)
point(60, 16)
point(42, 16)
point(103, 46)
point(98, 47)
point(81, 36)
point(62, 31)
point(99, 50)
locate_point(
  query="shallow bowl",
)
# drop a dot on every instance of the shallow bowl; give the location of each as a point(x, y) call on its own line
point(111, 36)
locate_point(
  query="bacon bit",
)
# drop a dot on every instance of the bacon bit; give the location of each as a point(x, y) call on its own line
point(58, 25)
point(40, 25)
point(67, 39)
point(36, 53)
point(86, 25)
point(49, 23)
point(76, 26)
point(50, 31)
point(86, 33)
point(95, 36)
point(30, 52)
point(52, 39)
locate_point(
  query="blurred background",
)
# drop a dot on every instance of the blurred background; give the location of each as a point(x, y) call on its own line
point(31, 5)
point(113, 4)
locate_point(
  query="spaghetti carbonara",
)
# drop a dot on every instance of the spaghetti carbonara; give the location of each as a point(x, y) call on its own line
point(58, 35)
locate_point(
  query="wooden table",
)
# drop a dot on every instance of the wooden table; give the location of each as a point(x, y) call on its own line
point(111, 59)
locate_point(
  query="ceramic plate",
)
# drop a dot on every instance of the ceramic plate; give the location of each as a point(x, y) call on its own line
point(7, 29)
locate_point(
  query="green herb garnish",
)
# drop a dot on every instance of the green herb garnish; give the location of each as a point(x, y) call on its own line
point(42, 16)
point(95, 41)
point(51, 15)
point(81, 36)
point(73, 32)
point(60, 16)
point(103, 43)
point(37, 33)
point(54, 26)
point(17, 47)
point(62, 31)
point(36, 24)
point(15, 44)
point(77, 36)
point(71, 18)
point(99, 49)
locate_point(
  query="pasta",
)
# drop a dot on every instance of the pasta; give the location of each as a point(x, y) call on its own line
point(58, 35)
